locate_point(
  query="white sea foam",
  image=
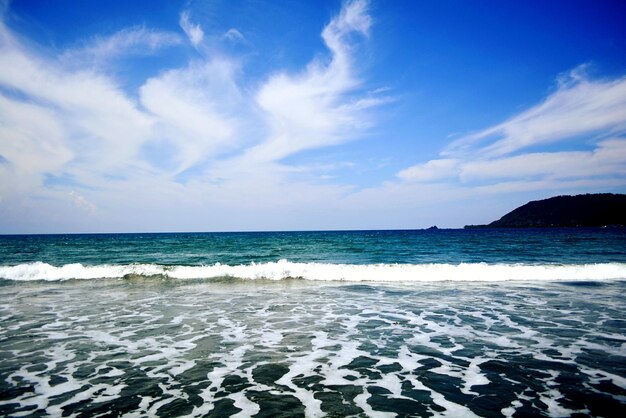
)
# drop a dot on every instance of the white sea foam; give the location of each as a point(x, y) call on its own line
point(366, 349)
point(326, 272)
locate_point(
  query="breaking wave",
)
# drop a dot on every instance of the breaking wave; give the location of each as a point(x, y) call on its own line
point(284, 269)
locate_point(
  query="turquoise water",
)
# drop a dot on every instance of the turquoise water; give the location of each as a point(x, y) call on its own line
point(534, 246)
point(370, 323)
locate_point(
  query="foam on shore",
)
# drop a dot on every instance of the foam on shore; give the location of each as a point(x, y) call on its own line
point(284, 269)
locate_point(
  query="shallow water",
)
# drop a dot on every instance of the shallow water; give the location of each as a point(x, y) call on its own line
point(165, 347)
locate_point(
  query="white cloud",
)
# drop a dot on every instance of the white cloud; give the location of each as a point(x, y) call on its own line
point(194, 148)
point(607, 159)
point(125, 152)
point(31, 143)
point(496, 157)
point(580, 106)
point(78, 126)
point(195, 109)
point(137, 40)
point(194, 32)
point(431, 170)
point(85, 113)
point(90, 103)
point(81, 202)
point(316, 108)
point(234, 35)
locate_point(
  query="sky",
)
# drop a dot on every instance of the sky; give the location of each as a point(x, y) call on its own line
point(233, 115)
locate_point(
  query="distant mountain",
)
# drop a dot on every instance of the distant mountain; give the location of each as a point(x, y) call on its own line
point(589, 210)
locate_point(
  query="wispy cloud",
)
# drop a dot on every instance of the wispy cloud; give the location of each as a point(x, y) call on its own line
point(79, 116)
point(195, 109)
point(32, 142)
point(580, 106)
point(194, 31)
point(191, 135)
point(318, 107)
point(608, 158)
point(430, 171)
point(200, 141)
point(581, 113)
point(234, 35)
point(137, 40)
point(81, 202)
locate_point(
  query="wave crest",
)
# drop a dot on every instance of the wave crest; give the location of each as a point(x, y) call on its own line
point(324, 272)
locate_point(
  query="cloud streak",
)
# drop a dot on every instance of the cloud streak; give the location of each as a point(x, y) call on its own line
point(193, 31)
point(78, 118)
point(137, 40)
point(581, 113)
point(318, 107)
point(234, 35)
point(194, 108)
point(580, 106)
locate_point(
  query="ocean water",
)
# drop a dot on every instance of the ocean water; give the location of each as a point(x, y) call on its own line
point(456, 323)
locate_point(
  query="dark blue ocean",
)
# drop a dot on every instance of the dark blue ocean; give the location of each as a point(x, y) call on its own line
point(487, 322)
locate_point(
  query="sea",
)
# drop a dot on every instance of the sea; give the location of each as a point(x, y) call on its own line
point(419, 323)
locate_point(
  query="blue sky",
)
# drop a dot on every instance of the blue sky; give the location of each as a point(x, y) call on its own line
point(279, 115)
